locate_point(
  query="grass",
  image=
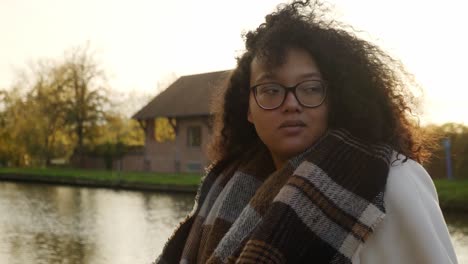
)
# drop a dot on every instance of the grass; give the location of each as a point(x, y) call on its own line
point(180, 179)
point(453, 194)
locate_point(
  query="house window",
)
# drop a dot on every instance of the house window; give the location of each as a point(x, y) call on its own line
point(194, 136)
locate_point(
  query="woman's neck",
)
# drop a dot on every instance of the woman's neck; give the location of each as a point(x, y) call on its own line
point(278, 161)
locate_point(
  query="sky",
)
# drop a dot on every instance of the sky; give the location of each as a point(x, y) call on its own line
point(143, 44)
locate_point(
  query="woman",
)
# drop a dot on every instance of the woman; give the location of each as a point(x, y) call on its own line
point(316, 157)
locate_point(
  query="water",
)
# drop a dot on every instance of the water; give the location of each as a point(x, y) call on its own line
point(57, 224)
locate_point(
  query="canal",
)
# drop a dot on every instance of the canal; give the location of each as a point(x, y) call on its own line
point(60, 224)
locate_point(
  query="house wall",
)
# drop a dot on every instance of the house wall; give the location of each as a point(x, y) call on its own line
point(177, 156)
point(193, 158)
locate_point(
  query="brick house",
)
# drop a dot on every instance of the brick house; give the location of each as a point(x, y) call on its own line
point(187, 102)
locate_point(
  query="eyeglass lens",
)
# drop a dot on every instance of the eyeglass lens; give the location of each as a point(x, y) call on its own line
point(272, 95)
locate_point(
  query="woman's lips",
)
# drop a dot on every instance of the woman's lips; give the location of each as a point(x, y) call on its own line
point(292, 123)
point(292, 127)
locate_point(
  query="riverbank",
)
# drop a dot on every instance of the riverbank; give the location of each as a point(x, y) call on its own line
point(453, 195)
point(146, 181)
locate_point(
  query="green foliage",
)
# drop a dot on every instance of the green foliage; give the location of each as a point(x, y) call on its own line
point(15, 138)
point(453, 195)
point(164, 129)
point(57, 108)
point(85, 95)
point(114, 138)
point(118, 129)
point(458, 135)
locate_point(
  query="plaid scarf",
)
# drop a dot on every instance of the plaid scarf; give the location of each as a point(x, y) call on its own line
point(321, 206)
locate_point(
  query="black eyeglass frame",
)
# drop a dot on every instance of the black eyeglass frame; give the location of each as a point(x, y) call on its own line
point(290, 89)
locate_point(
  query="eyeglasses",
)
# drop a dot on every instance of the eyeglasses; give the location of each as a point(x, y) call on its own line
point(309, 93)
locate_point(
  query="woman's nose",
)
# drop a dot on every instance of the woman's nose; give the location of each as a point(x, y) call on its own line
point(291, 103)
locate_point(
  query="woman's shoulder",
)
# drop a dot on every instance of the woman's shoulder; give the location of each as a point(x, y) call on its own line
point(407, 177)
point(413, 230)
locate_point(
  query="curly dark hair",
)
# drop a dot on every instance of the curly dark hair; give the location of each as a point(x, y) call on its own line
point(368, 89)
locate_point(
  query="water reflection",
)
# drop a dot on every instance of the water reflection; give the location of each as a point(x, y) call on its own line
point(50, 224)
point(458, 228)
point(56, 224)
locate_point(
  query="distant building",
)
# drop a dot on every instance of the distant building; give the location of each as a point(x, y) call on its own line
point(187, 101)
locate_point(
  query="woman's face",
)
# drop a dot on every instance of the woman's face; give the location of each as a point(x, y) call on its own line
point(291, 128)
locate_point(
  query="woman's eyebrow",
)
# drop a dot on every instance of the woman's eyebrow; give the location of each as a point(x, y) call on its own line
point(310, 75)
point(265, 76)
point(268, 76)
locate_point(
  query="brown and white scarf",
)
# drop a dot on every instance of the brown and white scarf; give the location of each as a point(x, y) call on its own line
point(320, 207)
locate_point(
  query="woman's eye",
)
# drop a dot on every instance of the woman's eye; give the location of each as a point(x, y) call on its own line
point(270, 90)
point(312, 89)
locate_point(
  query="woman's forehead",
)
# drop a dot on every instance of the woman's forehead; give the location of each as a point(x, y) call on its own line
point(297, 62)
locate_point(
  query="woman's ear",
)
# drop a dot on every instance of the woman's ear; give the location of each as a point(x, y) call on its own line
point(249, 115)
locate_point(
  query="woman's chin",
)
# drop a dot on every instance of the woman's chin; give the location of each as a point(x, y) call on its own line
point(289, 151)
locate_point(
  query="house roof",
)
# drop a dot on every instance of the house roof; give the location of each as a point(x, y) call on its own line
point(188, 96)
